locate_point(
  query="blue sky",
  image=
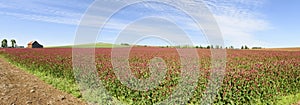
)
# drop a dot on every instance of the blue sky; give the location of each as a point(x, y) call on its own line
point(242, 22)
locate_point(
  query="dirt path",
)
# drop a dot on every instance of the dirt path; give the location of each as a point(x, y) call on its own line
point(20, 88)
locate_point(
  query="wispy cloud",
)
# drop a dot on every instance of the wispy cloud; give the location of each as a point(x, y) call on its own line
point(63, 12)
point(62, 20)
point(239, 20)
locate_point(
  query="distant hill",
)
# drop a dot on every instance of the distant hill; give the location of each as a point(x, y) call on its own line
point(283, 49)
point(98, 45)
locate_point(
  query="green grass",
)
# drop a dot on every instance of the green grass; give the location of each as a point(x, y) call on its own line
point(97, 45)
point(288, 100)
point(60, 83)
point(66, 85)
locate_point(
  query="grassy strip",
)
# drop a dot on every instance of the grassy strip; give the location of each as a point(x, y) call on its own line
point(62, 84)
point(289, 100)
point(66, 85)
point(97, 45)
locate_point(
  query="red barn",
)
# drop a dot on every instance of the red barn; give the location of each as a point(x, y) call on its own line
point(34, 44)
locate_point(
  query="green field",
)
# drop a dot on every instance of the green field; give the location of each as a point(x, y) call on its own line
point(96, 45)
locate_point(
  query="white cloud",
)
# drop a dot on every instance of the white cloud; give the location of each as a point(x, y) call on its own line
point(242, 33)
point(238, 19)
point(46, 11)
point(62, 20)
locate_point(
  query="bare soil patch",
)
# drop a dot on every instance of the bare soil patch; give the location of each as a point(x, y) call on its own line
point(17, 87)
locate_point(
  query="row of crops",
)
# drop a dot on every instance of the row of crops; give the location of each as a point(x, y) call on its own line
point(251, 76)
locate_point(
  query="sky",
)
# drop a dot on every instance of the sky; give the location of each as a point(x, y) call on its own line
point(262, 23)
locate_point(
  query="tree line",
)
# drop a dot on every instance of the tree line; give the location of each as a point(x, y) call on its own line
point(5, 42)
point(244, 47)
point(221, 47)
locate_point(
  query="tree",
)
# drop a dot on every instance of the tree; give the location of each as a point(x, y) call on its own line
point(4, 43)
point(256, 47)
point(13, 43)
point(201, 47)
point(231, 47)
point(242, 47)
point(217, 47)
point(125, 44)
point(246, 47)
point(208, 47)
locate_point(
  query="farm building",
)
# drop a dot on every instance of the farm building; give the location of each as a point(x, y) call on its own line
point(34, 44)
point(19, 46)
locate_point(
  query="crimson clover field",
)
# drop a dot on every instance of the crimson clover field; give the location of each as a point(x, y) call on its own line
point(252, 76)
